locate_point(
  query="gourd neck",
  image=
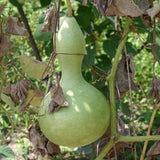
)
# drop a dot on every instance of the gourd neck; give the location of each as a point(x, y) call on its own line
point(70, 67)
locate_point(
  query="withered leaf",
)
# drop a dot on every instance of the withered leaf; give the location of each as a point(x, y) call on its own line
point(154, 151)
point(118, 8)
point(121, 77)
point(1, 9)
point(15, 27)
point(23, 105)
point(102, 5)
point(144, 5)
point(7, 89)
point(41, 143)
point(50, 20)
point(52, 149)
point(155, 89)
point(57, 95)
point(5, 44)
point(19, 90)
point(152, 12)
point(37, 140)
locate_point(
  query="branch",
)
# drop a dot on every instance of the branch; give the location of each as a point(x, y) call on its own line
point(149, 130)
point(138, 138)
point(32, 41)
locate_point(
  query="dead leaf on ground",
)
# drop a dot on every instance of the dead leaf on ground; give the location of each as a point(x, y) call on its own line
point(122, 77)
point(58, 100)
point(5, 44)
point(118, 8)
point(14, 27)
point(154, 151)
point(1, 9)
point(34, 68)
point(50, 20)
point(155, 89)
point(41, 143)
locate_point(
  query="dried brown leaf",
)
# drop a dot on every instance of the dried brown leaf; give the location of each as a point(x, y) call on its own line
point(5, 44)
point(23, 105)
point(122, 79)
point(118, 8)
point(15, 27)
point(154, 151)
point(124, 8)
point(145, 4)
point(155, 89)
point(102, 5)
point(58, 100)
point(1, 9)
point(152, 12)
point(50, 20)
point(52, 149)
point(7, 89)
point(19, 90)
point(37, 140)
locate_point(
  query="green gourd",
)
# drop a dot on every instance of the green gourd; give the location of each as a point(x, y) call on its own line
point(88, 115)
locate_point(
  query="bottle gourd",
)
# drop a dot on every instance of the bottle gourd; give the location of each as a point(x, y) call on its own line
point(88, 115)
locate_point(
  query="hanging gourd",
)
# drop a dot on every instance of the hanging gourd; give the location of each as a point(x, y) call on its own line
point(88, 115)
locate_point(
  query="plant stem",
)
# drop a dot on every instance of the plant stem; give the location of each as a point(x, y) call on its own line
point(111, 79)
point(31, 39)
point(149, 131)
point(138, 138)
point(69, 8)
point(106, 150)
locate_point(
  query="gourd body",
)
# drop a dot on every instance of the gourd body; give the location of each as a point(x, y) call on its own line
point(87, 117)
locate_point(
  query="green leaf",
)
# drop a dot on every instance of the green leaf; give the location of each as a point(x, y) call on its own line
point(44, 36)
point(89, 58)
point(45, 2)
point(158, 42)
point(6, 152)
point(110, 45)
point(48, 47)
point(84, 16)
point(32, 67)
point(131, 48)
point(7, 99)
point(16, 3)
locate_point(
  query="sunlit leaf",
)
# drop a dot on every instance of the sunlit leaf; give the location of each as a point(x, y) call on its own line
point(32, 67)
point(7, 99)
point(35, 97)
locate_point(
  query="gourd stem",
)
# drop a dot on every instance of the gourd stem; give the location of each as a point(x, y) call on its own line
point(112, 76)
point(69, 8)
point(111, 80)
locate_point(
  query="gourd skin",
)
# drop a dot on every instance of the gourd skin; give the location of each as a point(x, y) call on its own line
point(87, 117)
